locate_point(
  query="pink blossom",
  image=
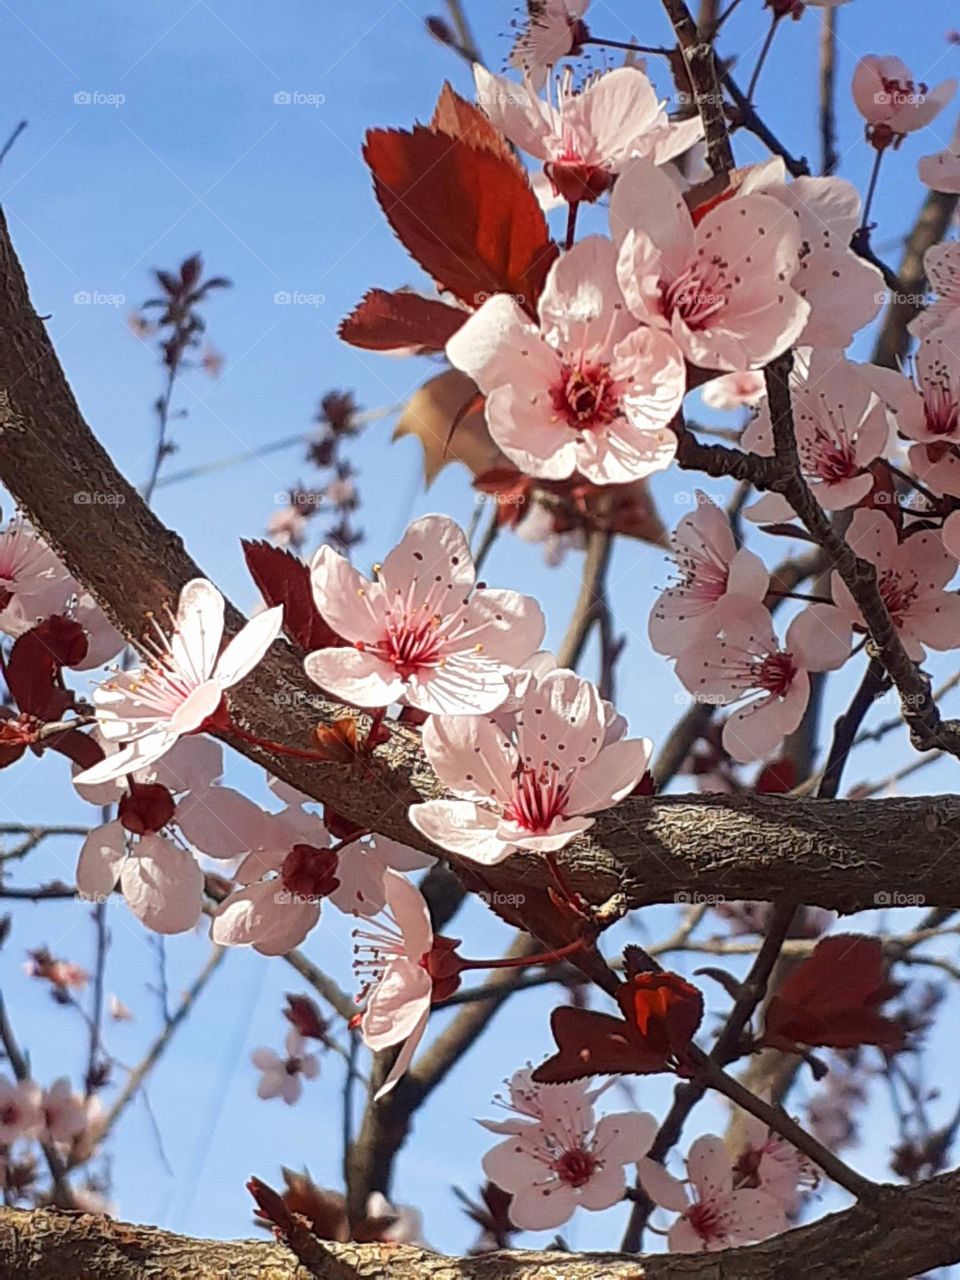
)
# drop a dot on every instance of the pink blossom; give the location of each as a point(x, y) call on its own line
point(118, 1011)
point(283, 1077)
point(588, 390)
point(937, 467)
point(64, 1112)
point(721, 286)
point(564, 1158)
point(587, 138)
point(392, 960)
point(553, 30)
point(530, 780)
point(942, 265)
point(288, 526)
point(911, 575)
point(182, 683)
point(927, 408)
point(941, 171)
point(744, 664)
point(711, 569)
point(771, 1162)
point(161, 882)
point(734, 390)
point(713, 1215)
point(192, 763)
point(21, 1113)
point(891, 102)
point(288, 873)
point(421, 633)
point(841, 428)
point(529, 1102)
point(844, 292)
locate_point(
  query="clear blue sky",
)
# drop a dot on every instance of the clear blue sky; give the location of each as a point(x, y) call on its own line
point(183, 148)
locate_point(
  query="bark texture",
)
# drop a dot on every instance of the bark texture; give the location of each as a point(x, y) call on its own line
point(904, 1232)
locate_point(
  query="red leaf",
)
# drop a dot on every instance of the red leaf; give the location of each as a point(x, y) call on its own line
point(79, 747)
point(383, 321)
point(832, 999)
point(33, 668)
point(284, 579)
point(777, 778)
point(459, 118)
point(661, 1015)
point(467, 215)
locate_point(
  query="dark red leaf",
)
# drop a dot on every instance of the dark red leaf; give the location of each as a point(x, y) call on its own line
point(79, 747)
point(458, 118)
point(35, 662)
point(384, 321)
point(284, 579)
point(466, 214)
point(661, 1015)
point(832, 999)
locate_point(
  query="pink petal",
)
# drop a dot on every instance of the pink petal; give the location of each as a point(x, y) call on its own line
point(101, 857)
point(220, 822)
point(163, 886)
point(461, 827)
point(662, 1187)
point(248, 646)
point(820, 636)
point(610, 776)
point(196, 640)
point(397, 1005)
point(471, 756)
point(353, 676)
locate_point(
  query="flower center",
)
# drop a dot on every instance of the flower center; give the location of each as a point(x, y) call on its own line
point(696, 296)
point(705, 1220)
point(941, 411)
point(538, 798)
point(828, 455)
point(575, 1167)
point(903, 93)
point(9, 1114)
point(899, 596)
point(776, 673)
point(586, 397)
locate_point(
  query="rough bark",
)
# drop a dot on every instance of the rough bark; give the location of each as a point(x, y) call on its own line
point(837, 854)
point(903, 1232)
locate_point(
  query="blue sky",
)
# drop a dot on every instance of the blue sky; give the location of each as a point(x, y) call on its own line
point(176, 144)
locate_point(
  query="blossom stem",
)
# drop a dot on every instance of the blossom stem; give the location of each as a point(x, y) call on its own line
point(572, 210)
point(768, 41)
point(723, 17)
point(524, 962)
point(628, 45)
point(277, 748)
point(561, 879)
point(864, 232)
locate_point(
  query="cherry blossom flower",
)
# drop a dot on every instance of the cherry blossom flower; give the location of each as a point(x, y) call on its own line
point(28, 570)
point(192, 763)
point(588, 391)
point(771, 1162)
point(553, 30)
point(530, 781)
point(711, 569)
point(911, 576)
point(288, 873)
point(713, 1215)
point(844, 292)
point(283, 1077)
point(64, 1112)
point(942, 265)
point(182, 684)
point(734, 390)
point(161, 882)
point(927, 409)
point(743, 663)
point(393, 961)
point(118, 1011)
point(941, 171)
point(563, 1157)
point(21, 1113)
point(841, 427)
point(891, 102)
point(421, 633)
point(585, 140)
point(720, 286)
point(531, 1103)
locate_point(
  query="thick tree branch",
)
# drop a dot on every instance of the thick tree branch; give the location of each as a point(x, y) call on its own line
point(902, 1232)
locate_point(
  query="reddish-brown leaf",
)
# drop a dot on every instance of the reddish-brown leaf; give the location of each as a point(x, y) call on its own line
point(458, 118)
point(466, 214)
point(338, 741)
point(661, 1015)
point(284, 579)
point(832, 999)
point(384, 321)
point(36, 659)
